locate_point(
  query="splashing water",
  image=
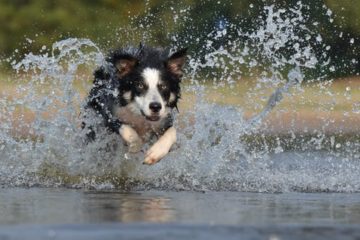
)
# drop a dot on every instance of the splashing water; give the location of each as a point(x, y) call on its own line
point(46, 150)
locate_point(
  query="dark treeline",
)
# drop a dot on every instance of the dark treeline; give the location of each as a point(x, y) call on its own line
point(28, 25)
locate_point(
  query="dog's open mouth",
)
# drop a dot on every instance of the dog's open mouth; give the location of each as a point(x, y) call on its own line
point(152, 118)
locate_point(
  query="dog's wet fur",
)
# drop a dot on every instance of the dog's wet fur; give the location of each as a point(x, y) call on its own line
point(135, 93)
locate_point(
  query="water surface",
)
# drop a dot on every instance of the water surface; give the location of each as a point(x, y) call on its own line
point(64, 206)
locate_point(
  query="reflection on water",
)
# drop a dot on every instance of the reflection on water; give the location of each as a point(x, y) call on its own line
point(126, 207)
point(53, 206)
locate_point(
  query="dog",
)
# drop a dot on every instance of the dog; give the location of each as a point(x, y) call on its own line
point(135, 93)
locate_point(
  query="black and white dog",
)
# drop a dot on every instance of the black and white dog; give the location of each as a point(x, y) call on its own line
point(135, 93)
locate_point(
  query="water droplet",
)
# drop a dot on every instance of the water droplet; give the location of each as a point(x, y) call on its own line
point(319, 38)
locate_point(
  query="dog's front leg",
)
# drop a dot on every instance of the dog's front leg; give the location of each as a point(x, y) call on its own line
point(161, 147)
point(131, 137)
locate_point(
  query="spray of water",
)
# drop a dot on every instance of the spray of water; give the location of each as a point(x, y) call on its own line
point(48, 150)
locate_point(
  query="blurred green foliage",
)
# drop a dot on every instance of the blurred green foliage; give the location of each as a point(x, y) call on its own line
point(28, 25)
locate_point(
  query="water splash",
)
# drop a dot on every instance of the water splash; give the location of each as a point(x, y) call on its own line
point(218, 148)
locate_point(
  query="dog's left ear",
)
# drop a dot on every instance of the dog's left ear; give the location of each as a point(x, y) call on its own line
point(176, 62)
point(125, 65)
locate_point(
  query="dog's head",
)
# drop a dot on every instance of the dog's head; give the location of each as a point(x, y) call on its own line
point(149, 79)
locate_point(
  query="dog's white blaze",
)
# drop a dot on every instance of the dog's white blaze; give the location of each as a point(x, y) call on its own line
point(152, 79)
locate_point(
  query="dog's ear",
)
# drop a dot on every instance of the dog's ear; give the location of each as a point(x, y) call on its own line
point(125, 64)
point(176, 62)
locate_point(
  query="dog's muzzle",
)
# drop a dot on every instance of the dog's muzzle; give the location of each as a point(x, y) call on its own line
point(155, 108)
point(153, 117)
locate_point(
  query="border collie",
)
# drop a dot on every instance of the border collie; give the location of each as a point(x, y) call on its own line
point(135, 93)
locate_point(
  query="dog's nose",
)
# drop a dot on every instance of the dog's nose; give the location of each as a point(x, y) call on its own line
point(155, 107)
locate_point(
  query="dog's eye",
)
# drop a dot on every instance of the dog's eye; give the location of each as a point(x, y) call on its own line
point(140, 86)
point(162, 86)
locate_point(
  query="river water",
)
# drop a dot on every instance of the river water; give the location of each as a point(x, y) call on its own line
point(60, 206)
point(41, 213)
point(225, 179)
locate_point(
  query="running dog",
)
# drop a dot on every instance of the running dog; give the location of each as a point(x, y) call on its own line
point(135, 93)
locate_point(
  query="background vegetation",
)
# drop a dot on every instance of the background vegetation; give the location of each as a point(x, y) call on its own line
point(29, 25)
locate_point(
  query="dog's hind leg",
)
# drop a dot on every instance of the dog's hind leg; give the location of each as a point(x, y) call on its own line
point(161, 147)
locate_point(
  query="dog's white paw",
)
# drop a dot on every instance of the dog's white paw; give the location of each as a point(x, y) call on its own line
point(156, 153)
point(132, 139)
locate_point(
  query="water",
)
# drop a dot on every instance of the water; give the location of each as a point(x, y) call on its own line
point(176, 215)
point(218, 147)
point(23, 206)
point(230, 176)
